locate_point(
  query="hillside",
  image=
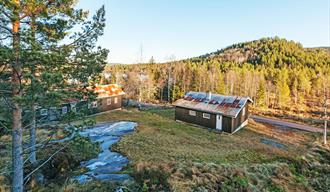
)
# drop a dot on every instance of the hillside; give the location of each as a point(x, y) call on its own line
point(271, 52)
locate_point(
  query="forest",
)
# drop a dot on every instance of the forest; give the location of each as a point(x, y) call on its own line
point(276, 73)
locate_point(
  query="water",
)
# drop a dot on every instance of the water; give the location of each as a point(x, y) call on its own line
point(108, 163)
point(273, 143)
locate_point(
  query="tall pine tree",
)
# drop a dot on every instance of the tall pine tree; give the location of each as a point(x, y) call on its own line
point(43, 69)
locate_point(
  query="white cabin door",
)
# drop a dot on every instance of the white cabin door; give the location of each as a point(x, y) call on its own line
point(219, 122)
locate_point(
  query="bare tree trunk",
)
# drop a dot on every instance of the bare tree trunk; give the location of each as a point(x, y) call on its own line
point(33, 156)
point(17, 151)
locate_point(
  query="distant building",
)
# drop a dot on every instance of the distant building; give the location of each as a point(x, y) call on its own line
point(224, 113)
point(109, 97)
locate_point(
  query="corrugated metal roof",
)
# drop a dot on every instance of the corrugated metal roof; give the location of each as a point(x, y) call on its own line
point(108, 90)
point(217, 104)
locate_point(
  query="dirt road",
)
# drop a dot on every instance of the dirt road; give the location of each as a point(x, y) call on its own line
point(283, 123)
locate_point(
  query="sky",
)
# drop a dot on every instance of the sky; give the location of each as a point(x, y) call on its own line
point(178, 29)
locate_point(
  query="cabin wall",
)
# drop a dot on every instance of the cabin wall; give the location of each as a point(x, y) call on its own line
point(229, 124)
point(182, 114)
point(240, 118)
point(226, 124)
point(103, 105)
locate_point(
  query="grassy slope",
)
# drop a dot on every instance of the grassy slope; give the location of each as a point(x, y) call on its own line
point(187, 152)
point(166, 154)
point(161, 139)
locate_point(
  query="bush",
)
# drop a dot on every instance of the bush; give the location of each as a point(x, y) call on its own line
point(152, 178)
point(237, 183)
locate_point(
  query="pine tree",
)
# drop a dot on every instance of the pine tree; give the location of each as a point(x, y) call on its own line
point(42, 67)
point(283, 90)
point(261, 95)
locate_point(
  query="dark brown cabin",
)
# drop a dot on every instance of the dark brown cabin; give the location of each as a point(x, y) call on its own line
point(109, 97)
point(220, 112)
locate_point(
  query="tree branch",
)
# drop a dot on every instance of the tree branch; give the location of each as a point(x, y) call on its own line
point(37, 10)
point(7, 29)
point(5, 91)
point(8, 103)
point(6, 14)
point(41, 165)
point(3, 38)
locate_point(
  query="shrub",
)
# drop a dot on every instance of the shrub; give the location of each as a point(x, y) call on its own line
point(152, 178)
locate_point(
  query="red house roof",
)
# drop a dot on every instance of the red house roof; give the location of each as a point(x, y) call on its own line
point(108, 90)
point(217, 104)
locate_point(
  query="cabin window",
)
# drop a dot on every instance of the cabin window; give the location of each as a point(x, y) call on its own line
point(43, 112)
point(109, 101)
point(192, 113)
point(94, 104)
point(116, 100)
point(206, 116)
point(64, 109)
point(243, 112)
point(73, 106)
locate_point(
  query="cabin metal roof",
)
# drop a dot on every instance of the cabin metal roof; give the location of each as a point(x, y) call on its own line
point(218, 104)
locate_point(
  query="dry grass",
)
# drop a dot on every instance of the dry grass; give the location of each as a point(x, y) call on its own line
point(188, 157)
point(161, 139)
point(311, 117)
point(200, 159)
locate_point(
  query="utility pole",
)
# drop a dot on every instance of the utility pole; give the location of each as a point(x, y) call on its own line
point(325, 111)
point(169, 83)
point(141, 53)
point(170, 79)
point(325, 123)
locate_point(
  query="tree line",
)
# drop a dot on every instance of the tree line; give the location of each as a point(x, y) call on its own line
point(274, 72)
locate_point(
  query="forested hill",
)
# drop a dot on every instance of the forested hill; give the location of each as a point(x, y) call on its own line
point(274, 72)
point(272, 52)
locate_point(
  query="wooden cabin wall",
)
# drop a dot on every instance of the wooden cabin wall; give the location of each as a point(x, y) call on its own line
point(182, 114)
point(227, 124)
point(240, 118)
point(102, 104)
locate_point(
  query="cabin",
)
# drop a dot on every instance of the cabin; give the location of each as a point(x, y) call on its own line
point(109, 97)
point(220, 112)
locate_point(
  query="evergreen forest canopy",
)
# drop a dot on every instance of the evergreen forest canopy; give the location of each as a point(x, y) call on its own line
point(274, 72)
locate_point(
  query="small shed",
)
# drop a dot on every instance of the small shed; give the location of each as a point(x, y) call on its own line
point(220, 112)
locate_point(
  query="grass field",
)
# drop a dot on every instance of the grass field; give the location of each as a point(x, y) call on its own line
point(166, 155)
point(195, 157)
point(161, 139)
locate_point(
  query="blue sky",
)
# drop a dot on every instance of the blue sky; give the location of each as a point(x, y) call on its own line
point(187, 28)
